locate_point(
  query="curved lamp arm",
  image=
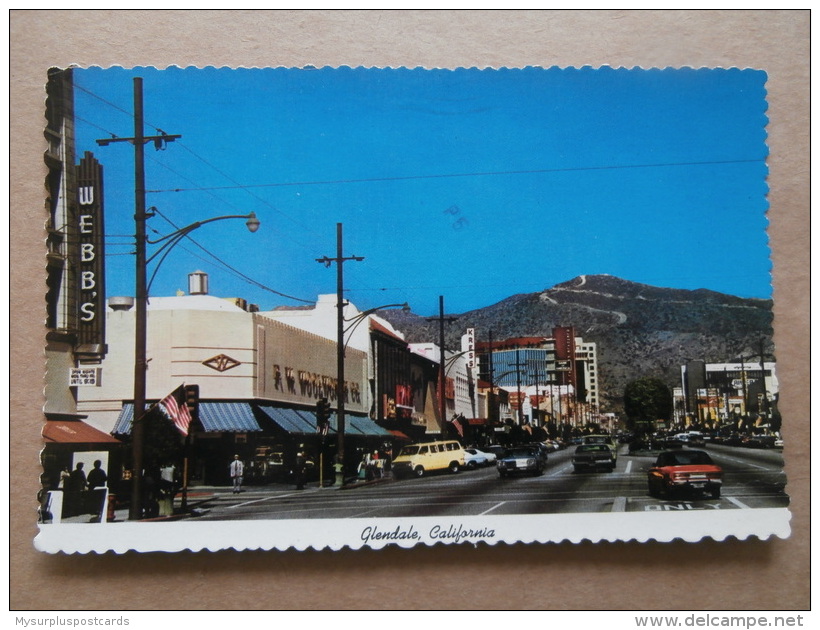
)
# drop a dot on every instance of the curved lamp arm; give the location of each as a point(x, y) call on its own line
point(170, 240)
point(358, 319)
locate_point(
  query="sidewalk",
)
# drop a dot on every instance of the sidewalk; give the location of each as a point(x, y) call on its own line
point(200, 498)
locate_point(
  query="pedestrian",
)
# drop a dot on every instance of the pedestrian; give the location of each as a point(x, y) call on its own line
point(237, 471)
point(167, 481)
point(376, 463)
point(300, 470)
point(77, 481)
point(65, 475)
point(97, 480)
point(361, 471)
point(97, 477)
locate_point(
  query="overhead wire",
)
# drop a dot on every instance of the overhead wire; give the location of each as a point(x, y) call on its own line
point(232, 269)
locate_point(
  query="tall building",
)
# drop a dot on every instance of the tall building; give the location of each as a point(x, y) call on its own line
point(547, 377)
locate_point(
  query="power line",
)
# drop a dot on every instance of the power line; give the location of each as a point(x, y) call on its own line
point(234, 269)
point(568, 169)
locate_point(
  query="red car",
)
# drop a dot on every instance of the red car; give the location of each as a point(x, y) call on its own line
point(685, 470)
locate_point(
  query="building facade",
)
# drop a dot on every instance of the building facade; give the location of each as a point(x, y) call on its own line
point(737, 394)
point(548, 379)
point(259, 382)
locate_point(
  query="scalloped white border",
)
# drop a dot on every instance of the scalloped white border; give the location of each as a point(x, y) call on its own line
point(337, 534)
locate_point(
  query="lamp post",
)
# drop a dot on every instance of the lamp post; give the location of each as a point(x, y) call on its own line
point(141, 337)
point(139, 140)
point(358, 319)
point(340, 259)
point(441, 379)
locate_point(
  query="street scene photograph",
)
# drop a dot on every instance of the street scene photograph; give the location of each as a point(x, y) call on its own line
point(427, 305)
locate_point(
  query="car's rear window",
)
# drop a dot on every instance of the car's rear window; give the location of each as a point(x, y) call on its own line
point(684, 458)
point(586, 448)
point(521, 452)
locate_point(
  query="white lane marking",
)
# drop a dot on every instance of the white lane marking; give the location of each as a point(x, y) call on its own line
point(739, 504)
point(619, 504)
point(559, 471)
point(278, 496)
point(628, 467)
point(497, 505)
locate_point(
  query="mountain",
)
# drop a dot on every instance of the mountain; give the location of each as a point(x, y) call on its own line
point(640, 330)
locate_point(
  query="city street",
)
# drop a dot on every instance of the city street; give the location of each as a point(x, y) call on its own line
point(752, 479)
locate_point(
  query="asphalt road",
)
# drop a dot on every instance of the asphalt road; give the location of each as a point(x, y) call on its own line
point(752, 479)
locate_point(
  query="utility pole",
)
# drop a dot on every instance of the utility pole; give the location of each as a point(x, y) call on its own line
point(442, 402)
point(140, 364)
point(340, 349)
point(517, 365)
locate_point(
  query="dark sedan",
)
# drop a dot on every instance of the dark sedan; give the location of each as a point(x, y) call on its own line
point(522, 460)
point(593, 457)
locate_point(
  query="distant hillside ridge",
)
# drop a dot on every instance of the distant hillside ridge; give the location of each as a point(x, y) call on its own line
point(640, 330)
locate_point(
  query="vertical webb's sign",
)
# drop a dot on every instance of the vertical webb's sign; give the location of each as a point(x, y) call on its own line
point(90, 228)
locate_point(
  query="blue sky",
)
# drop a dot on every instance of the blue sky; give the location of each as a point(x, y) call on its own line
point(471, 184)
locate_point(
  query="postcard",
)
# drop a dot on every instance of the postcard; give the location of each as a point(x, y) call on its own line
point(318, 308)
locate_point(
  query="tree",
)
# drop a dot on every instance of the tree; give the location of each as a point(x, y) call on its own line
point(646, 400)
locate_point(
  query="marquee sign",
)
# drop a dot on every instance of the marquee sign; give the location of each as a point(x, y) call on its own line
point(470, 353)
point(91, 259)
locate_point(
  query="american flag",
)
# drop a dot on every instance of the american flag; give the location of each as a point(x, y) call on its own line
point(173, 406)
point(457, 425)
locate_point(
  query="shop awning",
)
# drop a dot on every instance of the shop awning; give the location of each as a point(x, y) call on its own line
point(214, 417)
point(359, 425)
point(298, 422)
point(75, 432)
point(228, 416)
point(291, 420)
point(244, 417)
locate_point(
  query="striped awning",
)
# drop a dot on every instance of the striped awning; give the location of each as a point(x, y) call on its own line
point(291, 420)
point(299, 422)
point(359, 425)
point(244, 417)
point(214, 416)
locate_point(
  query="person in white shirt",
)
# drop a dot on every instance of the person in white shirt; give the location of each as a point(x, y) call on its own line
point(237, 470)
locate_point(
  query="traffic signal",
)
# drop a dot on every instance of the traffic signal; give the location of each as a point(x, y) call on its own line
point(322, 415)
point(192, 398)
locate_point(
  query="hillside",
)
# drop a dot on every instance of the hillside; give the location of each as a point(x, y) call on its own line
point(640, 330)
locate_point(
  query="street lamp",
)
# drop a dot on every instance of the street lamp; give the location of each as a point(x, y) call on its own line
point(358, 319)
point(170, 240)
point(341, 346)
point(141, 341)
point(441, 377)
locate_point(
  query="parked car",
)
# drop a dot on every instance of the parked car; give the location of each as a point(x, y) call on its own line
point(553, 445)
point(528, 458)
point(418, 459)
point(690, 438)
point(473, 458)
point(593, 457)
point(685, 470)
